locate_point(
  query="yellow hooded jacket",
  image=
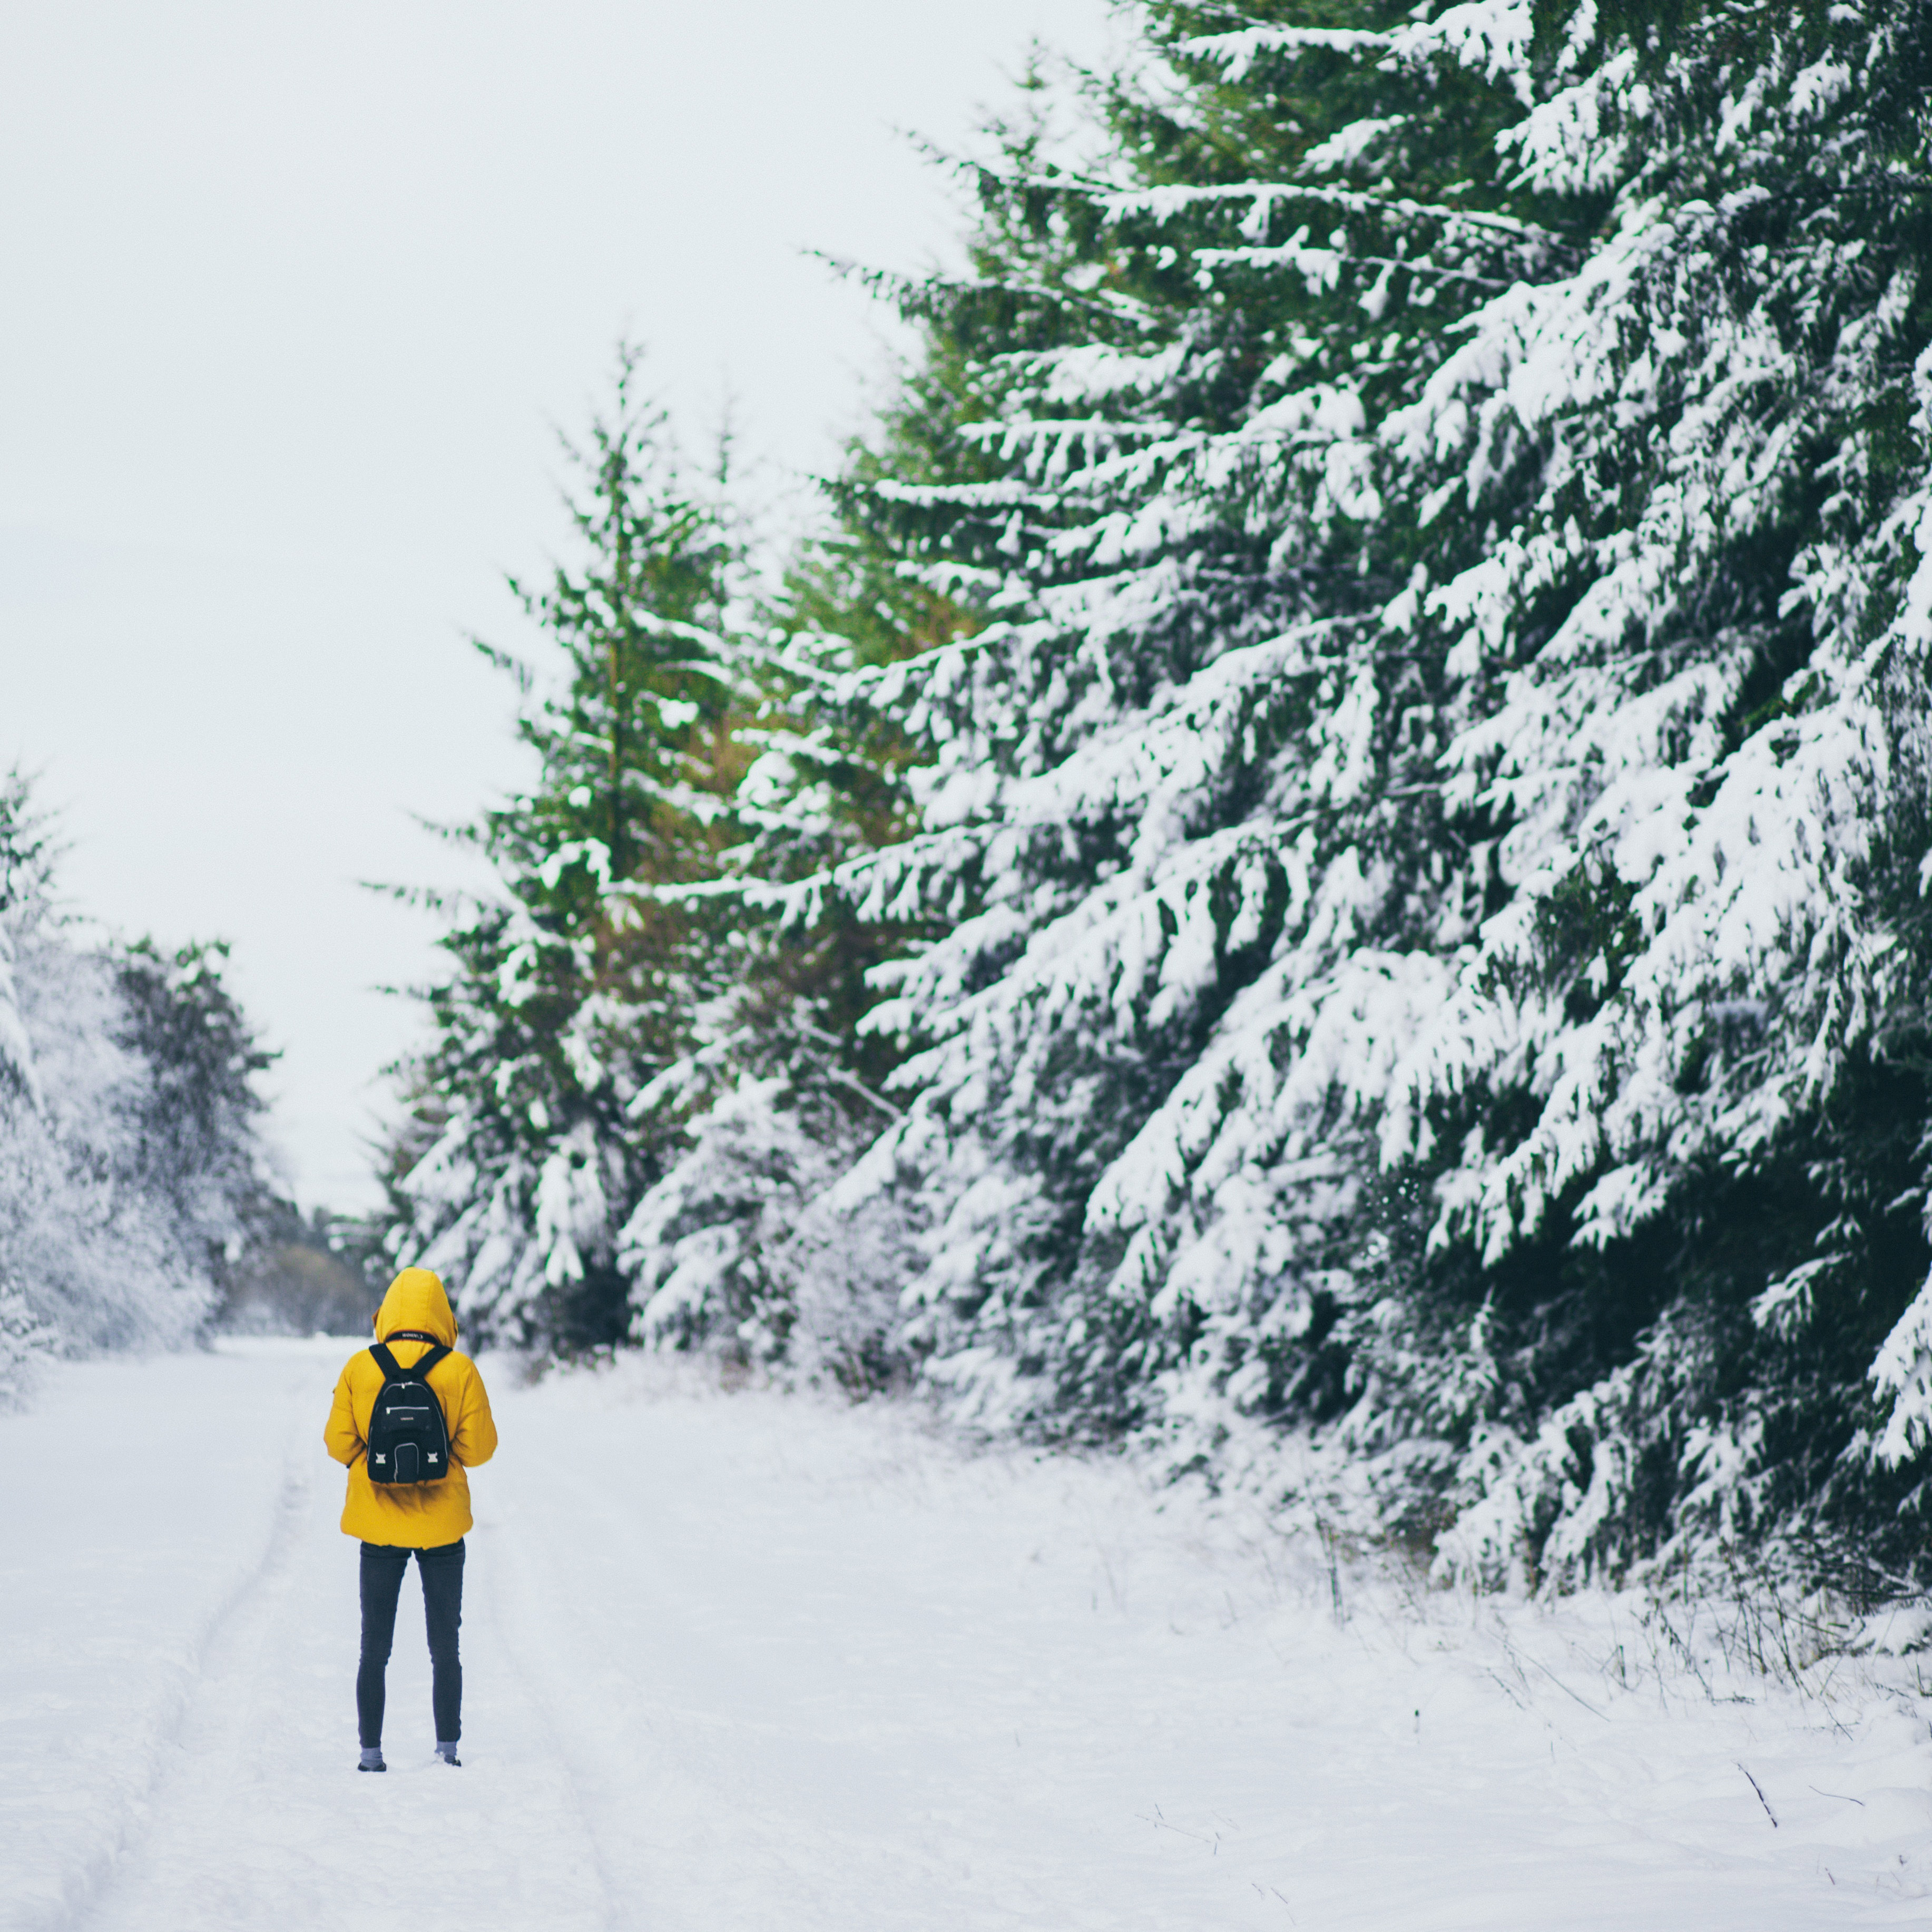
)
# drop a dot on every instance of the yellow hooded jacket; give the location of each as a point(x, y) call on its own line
point(418, 1516)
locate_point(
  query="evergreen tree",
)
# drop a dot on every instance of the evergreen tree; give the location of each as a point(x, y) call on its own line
point(1353, 790)
point(581, 981)
point(787, 1091)
point(196, 1154)
point(131, 1176)
point(1429, 838)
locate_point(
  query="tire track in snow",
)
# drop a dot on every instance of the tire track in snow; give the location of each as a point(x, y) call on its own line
point(743, 1760)
point(519, 1648)
point(570, 1546)
point(85, 1887)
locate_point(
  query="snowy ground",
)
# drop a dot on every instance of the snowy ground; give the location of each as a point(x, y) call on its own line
point(750, 1662)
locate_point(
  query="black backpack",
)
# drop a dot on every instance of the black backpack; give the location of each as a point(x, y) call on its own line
point(408, 1441)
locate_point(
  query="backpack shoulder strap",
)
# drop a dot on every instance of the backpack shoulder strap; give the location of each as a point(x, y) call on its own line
point(393, 1370)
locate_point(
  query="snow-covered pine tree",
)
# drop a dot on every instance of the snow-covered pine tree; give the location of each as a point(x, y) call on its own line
point(1432, 837)
point(781, 1100)
point(130, 1173)
point(25, 1339)
point(197, 1154)
point(577, 985)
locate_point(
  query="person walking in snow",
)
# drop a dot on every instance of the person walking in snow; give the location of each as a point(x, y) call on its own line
point(411, 1418)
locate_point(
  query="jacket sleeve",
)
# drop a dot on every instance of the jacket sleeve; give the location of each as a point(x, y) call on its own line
point(473, 1440)
point(342, 1438)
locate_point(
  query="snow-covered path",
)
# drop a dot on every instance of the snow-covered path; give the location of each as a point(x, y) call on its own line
point(750, 1662)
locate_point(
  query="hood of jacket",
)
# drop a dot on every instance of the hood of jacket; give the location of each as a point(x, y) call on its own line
point(415, 1300)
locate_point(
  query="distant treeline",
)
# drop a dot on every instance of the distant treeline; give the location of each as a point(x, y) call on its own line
point(136, 1207)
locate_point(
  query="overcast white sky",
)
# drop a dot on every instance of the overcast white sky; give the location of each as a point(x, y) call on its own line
point(293, 295)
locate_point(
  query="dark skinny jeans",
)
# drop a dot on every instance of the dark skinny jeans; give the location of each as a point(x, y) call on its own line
point(441, 1571)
